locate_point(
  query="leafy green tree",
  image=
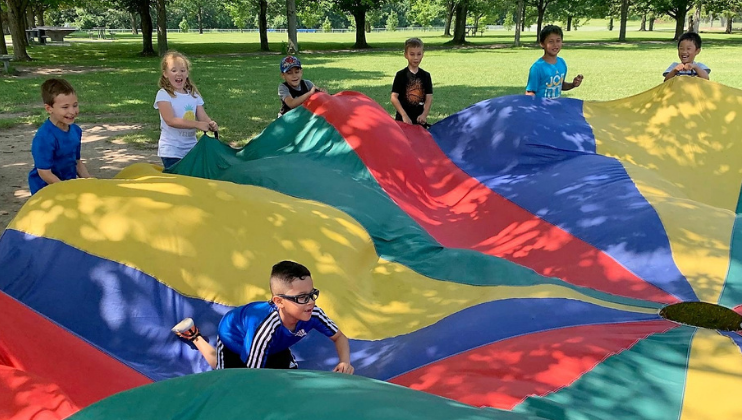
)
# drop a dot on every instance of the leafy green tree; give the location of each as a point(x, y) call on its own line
point(327, 25)
point(183, 25)
point(424, 12)
point(729, 9)
point(243, 12)
point(540, 6)
point(358, 9)
point(459, 31)
point(676, 9)
point(392, 21)
point(17, 23)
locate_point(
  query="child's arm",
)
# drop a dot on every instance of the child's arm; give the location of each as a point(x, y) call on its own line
point(82, 170)
point(202, 116)
point(48, 176)
point(575, 83)
point(423, 118)
point(398, 106)
point(342, 346)
point(167, 114)
point(700, 71)
point(294, 102)
point(674, 72)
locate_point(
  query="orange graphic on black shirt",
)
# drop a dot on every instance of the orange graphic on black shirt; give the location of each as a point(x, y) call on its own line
point(415, 92)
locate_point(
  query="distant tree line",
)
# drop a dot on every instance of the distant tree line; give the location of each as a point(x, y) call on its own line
point(456, 17)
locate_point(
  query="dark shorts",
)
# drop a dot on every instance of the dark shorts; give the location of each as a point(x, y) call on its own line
point(167, 162)
point(227, 359)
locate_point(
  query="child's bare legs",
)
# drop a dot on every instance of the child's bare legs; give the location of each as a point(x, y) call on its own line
point(187, 330)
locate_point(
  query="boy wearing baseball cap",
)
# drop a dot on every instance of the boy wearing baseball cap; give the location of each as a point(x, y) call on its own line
point(294, 90)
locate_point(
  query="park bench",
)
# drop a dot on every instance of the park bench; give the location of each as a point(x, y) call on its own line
point(6, 62)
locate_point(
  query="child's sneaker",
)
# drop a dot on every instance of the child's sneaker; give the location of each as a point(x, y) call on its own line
point(186, 329)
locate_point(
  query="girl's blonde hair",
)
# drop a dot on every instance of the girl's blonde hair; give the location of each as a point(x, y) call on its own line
point(164, 83)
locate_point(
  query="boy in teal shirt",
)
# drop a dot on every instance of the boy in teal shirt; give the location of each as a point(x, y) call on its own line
point(547, 76)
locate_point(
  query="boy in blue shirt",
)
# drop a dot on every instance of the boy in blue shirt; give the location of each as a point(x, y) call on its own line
point(56, 145)
point(259, 334)
point(689, 46)
point(547, 76)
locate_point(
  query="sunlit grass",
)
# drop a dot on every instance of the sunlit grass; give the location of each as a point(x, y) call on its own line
point(239, 84)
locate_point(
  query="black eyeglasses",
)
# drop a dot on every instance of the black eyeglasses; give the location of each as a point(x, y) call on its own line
point(303, 298)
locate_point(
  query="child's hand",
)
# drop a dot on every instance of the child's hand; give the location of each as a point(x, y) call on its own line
point(422, 119)
point(343, 367)
point(406, 119)
point(323, 90)
point(313, 90)
point(577, 80)
point(203, 126)
point(680, 67)
point(213, 126)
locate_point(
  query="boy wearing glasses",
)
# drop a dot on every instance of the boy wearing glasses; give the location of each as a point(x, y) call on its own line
point(259, 334)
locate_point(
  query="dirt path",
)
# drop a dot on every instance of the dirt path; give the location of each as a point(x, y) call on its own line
point(102, 153)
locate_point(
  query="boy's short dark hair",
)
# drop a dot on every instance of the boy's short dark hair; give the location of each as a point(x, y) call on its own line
point(52, 88)
point(691, 36)
point(413, 43)
point(548, 30)
point(288, 271)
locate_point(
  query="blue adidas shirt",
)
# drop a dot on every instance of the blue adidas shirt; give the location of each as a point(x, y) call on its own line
point(255, 331)
point(57, 150)
point(546, 79)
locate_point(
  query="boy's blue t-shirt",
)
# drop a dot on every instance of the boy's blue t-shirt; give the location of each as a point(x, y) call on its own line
point(546, 79)
point(57, 150)
point(255, 331)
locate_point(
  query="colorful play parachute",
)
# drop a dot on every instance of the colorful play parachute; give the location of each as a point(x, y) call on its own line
point(516, 256)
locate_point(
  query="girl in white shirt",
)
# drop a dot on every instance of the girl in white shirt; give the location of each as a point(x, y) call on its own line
point(181, 110)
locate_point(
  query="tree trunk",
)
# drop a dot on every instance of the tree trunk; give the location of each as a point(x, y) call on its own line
point(17, 23)
point(263, 25)
point(729, 26)
point(40, 15)
point(643, 26)
point(711, 20)
point(134, 29)
point(161, 28)
point(569, 23)
point(360, 16)
point(291, 19)
point(199, 15)
point(624, 20)
point(680, 22)
point(147, 48)
point(449, 17)
point(30, 20)
point(697, 18)
point(651, 23)
point(610, 24)
point(540, 21)
point(3, 46)
point(518, 20)
point(459, 30)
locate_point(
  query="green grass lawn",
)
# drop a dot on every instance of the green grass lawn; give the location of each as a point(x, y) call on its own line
point(239, 83)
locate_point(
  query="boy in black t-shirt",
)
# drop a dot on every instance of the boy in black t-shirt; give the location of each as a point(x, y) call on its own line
point(412, 90)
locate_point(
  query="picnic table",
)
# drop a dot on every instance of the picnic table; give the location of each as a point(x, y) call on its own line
point(56, 33)
point(471, 30)
point(6, 62)
point(100, 32)
point(36, 33)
